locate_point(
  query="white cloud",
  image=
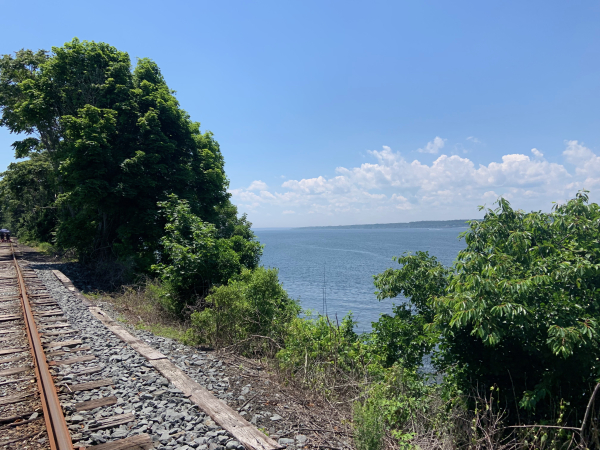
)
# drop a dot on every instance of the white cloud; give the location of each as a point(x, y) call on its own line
point(473, 139)
point(586, 162)
point(257, 185)
point(537, 153)
point(433, 146)
point(392, 188)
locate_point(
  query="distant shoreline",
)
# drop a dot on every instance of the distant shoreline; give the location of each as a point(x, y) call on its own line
point(418, 224)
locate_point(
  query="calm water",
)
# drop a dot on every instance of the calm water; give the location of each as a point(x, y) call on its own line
point(349, 259)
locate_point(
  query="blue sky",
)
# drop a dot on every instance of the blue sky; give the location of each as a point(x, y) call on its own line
point(342, 112)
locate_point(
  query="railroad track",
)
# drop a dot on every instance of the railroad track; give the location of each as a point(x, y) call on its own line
point(35, 340)
point(94, 385)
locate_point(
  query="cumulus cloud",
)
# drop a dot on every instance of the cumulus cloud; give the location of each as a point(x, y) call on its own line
point(537, 153)
point(586, 162)
point(257, 185)
point(433, 146)
point(389, 182)
point(473, 139)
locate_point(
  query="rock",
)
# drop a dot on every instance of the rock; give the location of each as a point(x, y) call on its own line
point(301, 439)
point(276, 417)
point(232, 445)
point(77, 418)
point(286, 441)
point(118, 434)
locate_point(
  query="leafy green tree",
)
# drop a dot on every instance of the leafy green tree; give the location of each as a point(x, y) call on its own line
point(194, 257)
point(520, 310)
point(118, 142)
point(404, 336)
point(28, 190)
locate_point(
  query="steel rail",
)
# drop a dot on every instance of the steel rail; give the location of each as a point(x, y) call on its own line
point(58, 433)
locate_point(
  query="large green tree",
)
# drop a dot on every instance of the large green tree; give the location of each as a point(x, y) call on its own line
point(118, 143)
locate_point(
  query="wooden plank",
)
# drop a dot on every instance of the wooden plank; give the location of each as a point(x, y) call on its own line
point(62, 277)
point(16, 380)
point(13, 371)
point(8, 351)
point(96, 403)
point(137, 344)
point(71, 343)
point(89, 371)
point(7, 317)
point(111, 422)
point(13, 418)
point(52, 319)
point(69, 285)
point(57, 312)
point(139, 442)
point(9, 399)
point(7, 360)
point(56, 325)
point(246, 433)
point(9, 331)
point(62, 352)
point(64, 362)
point(59, 333)
point(91, 385)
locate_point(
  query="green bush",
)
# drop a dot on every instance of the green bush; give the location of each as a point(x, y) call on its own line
point(252, 311)
point(329, 357)
point(369, 427)
point(194, 258)
point(519, 310)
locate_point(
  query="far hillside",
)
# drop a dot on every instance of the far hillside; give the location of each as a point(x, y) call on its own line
point(419, 224)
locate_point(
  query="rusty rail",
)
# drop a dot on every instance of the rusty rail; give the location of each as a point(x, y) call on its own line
point(58, 432)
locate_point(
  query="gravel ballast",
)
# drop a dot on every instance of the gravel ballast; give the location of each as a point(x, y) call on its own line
point(160, 409)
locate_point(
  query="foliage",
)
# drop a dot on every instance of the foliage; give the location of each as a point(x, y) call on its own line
point(404, 336)
point(194, 257)
point(117, 143)
point(369, 427)
point(28, 189)
point(520, 309)
point(252, 311)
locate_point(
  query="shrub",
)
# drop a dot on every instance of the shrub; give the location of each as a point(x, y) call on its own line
point(253, 312)
point(519, 311)
point(369, 427)
point(194, 258)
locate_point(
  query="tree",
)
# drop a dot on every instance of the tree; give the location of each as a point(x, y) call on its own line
point(194, 257)
point(520, 309)
point(28, 190)
point(118, 143)
point(404, 336)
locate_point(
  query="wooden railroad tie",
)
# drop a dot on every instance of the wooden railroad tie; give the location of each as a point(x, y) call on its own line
point(96, 403)
point(139, 442)
point(64, 362)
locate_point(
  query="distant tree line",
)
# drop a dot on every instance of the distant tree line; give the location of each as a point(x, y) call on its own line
point(417, 224)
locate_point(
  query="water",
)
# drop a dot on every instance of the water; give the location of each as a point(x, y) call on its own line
point(349, 259)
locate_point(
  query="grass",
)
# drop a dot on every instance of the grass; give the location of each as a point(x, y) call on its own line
point(168, 331)
point(140, 306)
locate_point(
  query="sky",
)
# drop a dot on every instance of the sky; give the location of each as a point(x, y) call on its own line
point(350, 112)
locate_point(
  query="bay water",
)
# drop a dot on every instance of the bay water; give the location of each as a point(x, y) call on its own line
point(338, 264)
